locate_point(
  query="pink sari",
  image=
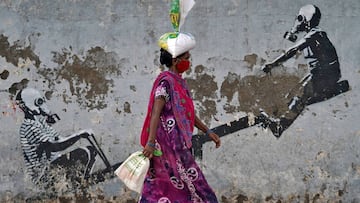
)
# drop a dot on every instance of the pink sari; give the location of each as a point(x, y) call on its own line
point(174, 176)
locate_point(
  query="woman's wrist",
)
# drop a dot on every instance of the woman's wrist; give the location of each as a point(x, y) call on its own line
point(208, 131)
point(151, 144)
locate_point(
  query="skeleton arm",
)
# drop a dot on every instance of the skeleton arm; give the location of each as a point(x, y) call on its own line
point(290, 52)
point(60, 144)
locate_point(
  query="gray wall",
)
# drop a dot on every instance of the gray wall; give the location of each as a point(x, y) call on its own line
point(96, 62)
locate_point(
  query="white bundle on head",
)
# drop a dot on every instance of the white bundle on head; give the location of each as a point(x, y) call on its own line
point(177, 43)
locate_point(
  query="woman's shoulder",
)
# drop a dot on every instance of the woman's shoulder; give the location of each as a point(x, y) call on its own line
point(164, 76)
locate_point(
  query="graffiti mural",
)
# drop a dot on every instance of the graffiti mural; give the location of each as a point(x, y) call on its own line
point(53, 162)
point(321, 83)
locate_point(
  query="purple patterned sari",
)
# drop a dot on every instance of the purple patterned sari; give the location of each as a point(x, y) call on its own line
point(174, 177)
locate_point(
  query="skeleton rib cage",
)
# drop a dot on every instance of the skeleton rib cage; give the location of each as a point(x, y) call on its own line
point(32, 134)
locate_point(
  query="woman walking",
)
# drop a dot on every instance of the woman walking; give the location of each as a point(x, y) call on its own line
point(173, 176)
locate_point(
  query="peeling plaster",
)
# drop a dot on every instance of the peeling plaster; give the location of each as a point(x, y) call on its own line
point(251, 60)
point(270, 93)
point(203, 89)
point(4, 75)
point(89, 77)
point(13, 53)
point(15, 87)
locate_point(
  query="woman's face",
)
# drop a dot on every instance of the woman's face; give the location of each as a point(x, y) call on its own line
point(185, 55)
point(183, 62)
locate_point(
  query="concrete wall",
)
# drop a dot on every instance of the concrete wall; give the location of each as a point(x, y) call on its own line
point(96, 62)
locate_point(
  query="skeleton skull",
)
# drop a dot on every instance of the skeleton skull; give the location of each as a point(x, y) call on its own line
point(31, 101)
point(308, 17)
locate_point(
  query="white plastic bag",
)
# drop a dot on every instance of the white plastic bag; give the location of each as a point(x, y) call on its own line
point(133, 171)
point(177, 43)
point(179, 9)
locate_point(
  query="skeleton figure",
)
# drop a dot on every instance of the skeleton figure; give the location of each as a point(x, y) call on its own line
point(323, 80)
point(44, 148)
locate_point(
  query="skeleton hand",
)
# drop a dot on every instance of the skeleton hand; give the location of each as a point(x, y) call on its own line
point(85, 133)
point(51, 119)
point(267, 68)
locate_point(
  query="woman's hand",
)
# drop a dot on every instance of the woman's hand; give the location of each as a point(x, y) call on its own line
point(215, 138)
point(148, 151)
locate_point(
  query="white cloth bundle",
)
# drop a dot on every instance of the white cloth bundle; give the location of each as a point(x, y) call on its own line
point(177, 43)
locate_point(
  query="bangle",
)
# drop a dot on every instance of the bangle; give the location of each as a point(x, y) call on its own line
point(208, 132)
point(151, 144)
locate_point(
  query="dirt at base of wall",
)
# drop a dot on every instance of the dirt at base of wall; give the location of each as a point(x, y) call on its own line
point(131, 197)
